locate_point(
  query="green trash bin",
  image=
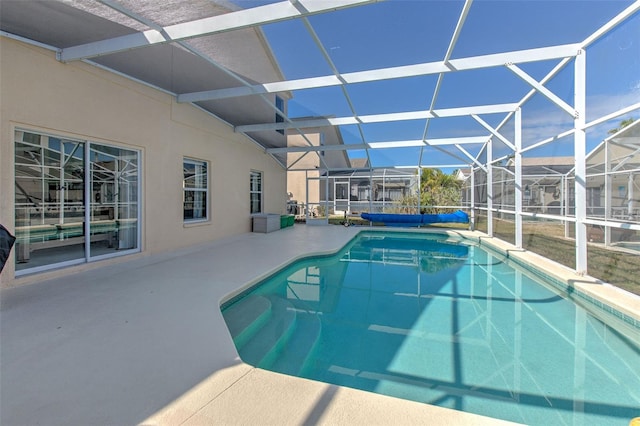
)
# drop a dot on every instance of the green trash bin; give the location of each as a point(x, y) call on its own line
point(283, 221)
point(291, 219)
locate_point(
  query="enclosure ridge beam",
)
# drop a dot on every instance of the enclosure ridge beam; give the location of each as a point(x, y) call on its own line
point(380, 118)
point(427, 68)
point(542, 90)
point(256, 16)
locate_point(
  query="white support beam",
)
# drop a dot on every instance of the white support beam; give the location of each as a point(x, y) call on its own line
point(613, 23)
point(397, 144)
point(452, 43)
point(466, 140)
point(580, 140)
point(472, 201)
point(493, 131)
point(614, 114)
point(428, 68)
point(216, 24)
point(461, 141)
point(471, 157)
point(518, 177)
point(542, 90)
point(380, 118)
point(381, 145)
point(489, 171)
point(316, 148)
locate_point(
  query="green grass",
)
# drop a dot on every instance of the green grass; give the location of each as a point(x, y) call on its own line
point(615, 267)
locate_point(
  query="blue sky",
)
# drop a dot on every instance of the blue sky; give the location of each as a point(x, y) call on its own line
point(405, 32)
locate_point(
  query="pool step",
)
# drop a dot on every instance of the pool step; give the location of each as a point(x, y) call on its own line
point(246, 317)
point(264, 345)
point(299, 346)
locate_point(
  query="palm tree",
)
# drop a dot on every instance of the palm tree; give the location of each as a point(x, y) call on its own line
point(439, 189)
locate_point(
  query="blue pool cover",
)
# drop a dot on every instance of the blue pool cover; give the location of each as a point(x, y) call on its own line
point(416, 219)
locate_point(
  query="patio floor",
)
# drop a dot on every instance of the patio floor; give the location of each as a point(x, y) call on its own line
point(144, 342)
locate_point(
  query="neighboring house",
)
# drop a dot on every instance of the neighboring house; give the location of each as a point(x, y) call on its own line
point(305, 183)
point(543, 181)
point(548, 182)
point(618, 158)
point(100, 161)
point(349, 186)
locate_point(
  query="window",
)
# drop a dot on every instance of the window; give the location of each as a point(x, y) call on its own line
point(75, 201)
point(196, 188)
point(255, 192)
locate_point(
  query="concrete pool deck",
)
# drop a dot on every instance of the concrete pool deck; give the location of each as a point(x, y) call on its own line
point(144, 342)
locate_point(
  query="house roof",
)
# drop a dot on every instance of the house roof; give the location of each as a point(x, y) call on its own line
point(231, 59)
point(360, 163)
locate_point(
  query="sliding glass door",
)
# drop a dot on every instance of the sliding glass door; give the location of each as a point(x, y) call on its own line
point(62, 218)
point(114, 200)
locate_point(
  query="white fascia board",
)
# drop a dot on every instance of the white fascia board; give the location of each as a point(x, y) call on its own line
point(215, 24)
point(380, 118)
point(416, 70)
point(542, 90)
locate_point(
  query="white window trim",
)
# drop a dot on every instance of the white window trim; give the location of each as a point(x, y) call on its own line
point(261, 192)
point(207, 218)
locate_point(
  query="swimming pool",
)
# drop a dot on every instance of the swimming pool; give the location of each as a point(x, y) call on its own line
point(442, 321)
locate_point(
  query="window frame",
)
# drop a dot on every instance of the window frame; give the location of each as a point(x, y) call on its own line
point(207, 215)
point(82, 182)
point(260, 192)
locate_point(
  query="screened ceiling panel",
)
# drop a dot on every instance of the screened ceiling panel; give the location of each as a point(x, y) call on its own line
point(320, 102)
point(394, 157)
point(389, 33)
point(480, 87)
point(409, 94)
point(377, 71)
point(393, 131)
point(498, 26)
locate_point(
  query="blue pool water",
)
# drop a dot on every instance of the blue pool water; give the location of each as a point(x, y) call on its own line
point(419, 317)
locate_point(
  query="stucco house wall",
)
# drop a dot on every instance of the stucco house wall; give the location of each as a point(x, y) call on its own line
point(309, 163)
point(80, 101)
